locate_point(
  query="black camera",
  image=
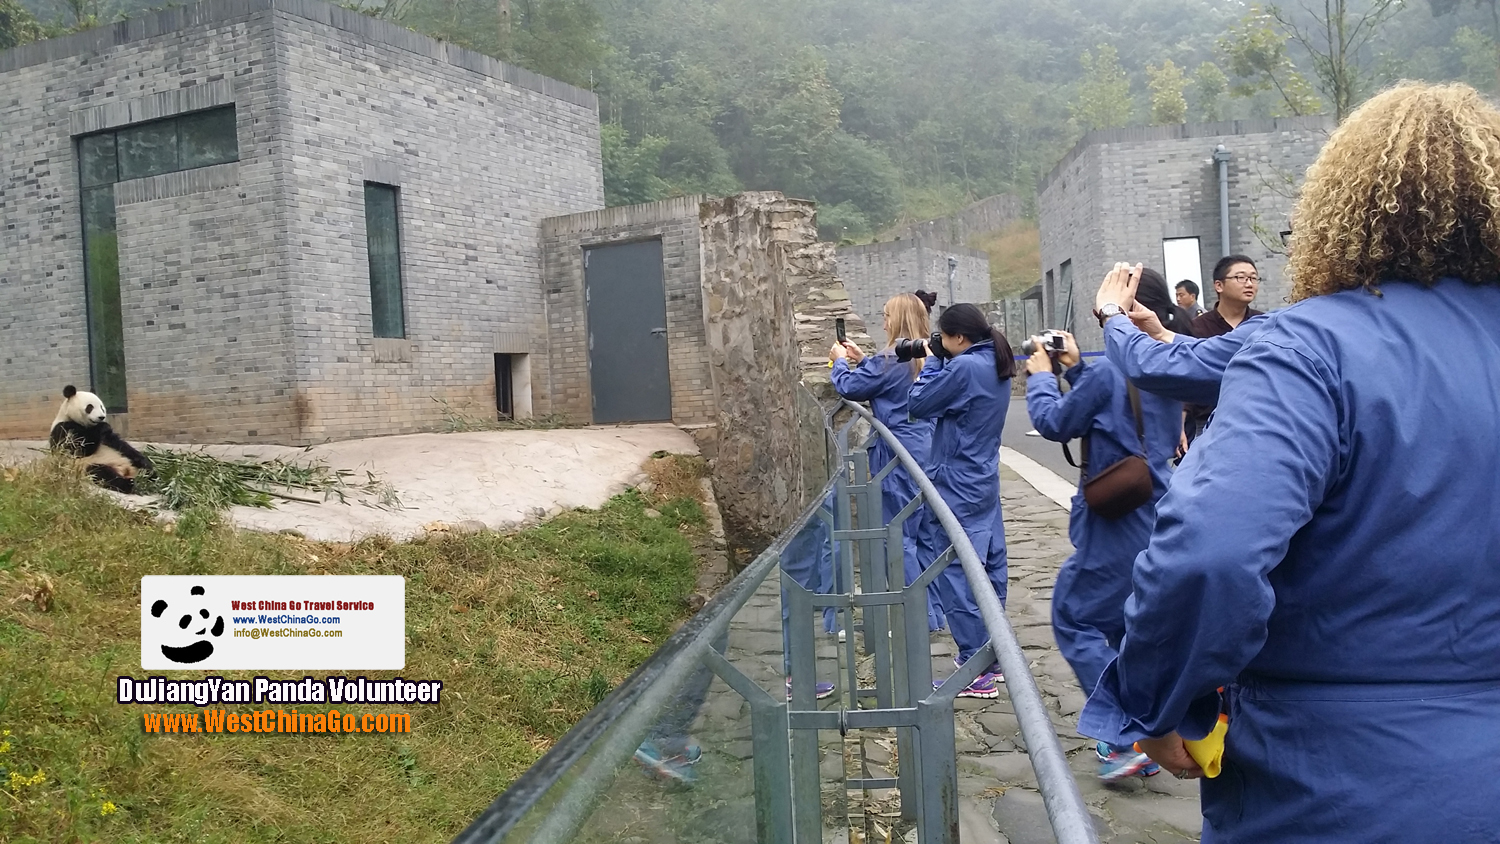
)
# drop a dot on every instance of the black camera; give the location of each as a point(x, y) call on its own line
point(907, 348)
point(1053, 342)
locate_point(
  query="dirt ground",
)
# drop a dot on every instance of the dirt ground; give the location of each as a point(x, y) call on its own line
point(499, 479)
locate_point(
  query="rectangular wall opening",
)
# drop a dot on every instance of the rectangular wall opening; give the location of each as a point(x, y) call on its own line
point(505, 397)
point(1182, 260)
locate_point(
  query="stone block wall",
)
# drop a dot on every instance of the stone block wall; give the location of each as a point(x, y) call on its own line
point(875, 272)
point(1120, 192)
point(754, 357)
point(676, 223)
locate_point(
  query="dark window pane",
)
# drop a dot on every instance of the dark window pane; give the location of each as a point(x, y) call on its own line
point(102, 295)
point(384, 239)
point(148, 150)
point(207, 138)
point(96, 160)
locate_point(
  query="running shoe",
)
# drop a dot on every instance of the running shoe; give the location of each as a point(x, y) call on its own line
point(1102, 751)
point(1121, 764)
point(820, 690)
point(673, 770)
point(986, 686)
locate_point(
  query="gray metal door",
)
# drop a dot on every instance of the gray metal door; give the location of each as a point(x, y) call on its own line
point(627, 306)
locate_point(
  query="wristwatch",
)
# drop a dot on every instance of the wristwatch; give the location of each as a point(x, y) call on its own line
point(1110, 309)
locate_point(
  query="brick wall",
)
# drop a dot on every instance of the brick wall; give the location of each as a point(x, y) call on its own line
point(675, 223)
point(875, 272)
point(479, 163)
point(180, 300)
point(1119, 193)
point(245, 287)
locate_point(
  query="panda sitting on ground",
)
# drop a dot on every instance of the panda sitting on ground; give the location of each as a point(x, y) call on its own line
point(80, 431)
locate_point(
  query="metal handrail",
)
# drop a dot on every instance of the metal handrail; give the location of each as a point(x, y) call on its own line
point(1066, 810)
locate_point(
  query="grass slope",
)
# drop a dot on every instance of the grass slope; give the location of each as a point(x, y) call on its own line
point(526, 631)
point(1015, 257)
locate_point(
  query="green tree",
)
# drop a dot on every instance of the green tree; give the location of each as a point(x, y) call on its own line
point(17, 25)
point(1256, 52)
point(1475, 52)
point(1103, 98)
point(1465, 43)
point(630, 169)
point(1210, 84)
point(1168, 105)
point(1334, 40)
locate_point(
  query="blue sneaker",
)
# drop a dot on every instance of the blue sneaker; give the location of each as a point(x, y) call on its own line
point(1121, 764)
point(674, 770)
point(1151, 770)
point(820, 690)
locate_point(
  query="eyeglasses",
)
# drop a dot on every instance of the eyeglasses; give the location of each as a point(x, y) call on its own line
point(1243, 279)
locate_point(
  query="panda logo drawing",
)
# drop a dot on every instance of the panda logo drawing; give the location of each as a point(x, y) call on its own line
point(199, 649)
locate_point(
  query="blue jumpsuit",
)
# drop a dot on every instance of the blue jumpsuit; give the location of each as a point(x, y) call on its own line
point(1088, 601)
point(809, 561)
point(969, 403)
point(1349, 595)
point(886, 384)
point(1187, 369)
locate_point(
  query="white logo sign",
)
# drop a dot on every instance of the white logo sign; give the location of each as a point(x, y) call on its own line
point(273, 623)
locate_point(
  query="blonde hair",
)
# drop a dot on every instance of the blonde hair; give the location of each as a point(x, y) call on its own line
point(908, 318)
point(1406, 189)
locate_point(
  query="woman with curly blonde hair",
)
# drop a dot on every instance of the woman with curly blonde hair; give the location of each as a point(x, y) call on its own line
point(1343, 616)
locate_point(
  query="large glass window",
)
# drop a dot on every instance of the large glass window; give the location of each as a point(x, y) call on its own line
point(383, 236)
point(132, 152)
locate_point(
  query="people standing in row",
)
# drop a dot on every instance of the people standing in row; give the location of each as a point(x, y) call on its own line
point(967, 391)
point(1115, 420)
point(1350, 608)
point(1187, 298)
point(1236, 281)
point(886, 384)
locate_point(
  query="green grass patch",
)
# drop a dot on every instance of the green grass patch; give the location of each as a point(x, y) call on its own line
point(527, 632)
point(1015, 257)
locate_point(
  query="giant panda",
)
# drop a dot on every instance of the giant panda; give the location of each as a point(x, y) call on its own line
point(80, 431)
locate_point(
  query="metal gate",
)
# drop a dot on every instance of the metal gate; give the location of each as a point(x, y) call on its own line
point(627, 313)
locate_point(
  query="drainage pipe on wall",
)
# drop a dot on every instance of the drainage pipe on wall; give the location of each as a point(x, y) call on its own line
point(1221, 158)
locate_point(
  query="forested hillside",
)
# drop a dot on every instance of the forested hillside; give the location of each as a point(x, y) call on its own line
point(892, 110)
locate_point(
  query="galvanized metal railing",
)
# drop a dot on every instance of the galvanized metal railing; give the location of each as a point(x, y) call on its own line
point(774, 760)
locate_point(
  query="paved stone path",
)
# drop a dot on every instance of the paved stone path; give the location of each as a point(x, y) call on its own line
point(998, 797)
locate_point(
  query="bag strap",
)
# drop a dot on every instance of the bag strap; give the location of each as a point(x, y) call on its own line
point(1135, 410)
point(1082, 466)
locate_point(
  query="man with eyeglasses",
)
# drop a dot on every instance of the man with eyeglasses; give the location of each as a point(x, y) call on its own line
point(1236, 282)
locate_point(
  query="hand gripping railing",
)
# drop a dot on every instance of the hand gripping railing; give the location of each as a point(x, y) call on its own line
point(1065, 807)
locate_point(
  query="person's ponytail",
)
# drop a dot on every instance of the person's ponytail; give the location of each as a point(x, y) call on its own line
point(1005, 362)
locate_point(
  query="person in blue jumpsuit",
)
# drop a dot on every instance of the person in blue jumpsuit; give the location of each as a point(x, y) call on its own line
point(1349, 604)
point(809, 561)
point(886, 384)
point(967, 391)
point(1088, 600)
point(1158, 360)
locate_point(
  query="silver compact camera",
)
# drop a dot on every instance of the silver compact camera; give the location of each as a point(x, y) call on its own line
point(1053, 343)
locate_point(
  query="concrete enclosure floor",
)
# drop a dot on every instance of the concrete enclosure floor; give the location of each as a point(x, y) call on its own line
point(499, 478)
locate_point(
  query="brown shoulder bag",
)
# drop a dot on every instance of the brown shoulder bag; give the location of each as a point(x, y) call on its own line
point(1122, 487)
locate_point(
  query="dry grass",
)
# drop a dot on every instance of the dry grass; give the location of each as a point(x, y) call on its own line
point(1015, 257)
point(526, 631)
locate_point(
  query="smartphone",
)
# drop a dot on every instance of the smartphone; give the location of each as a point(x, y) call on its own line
point(838, 329)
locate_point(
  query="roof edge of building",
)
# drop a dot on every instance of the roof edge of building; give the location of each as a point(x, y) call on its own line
point(1183, 131)
point(208, 12)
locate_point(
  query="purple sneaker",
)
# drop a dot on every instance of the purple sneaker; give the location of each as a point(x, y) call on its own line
point(985, 686)
point(820, 690)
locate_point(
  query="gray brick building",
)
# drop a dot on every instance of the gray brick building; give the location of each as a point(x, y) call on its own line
point(279, 221)
point(875, 272)
point(1151, 195)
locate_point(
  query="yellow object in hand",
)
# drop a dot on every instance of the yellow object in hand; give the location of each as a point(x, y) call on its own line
point(1208, 751)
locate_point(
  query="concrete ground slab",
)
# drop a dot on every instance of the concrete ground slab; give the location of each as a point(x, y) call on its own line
point(502, 479)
